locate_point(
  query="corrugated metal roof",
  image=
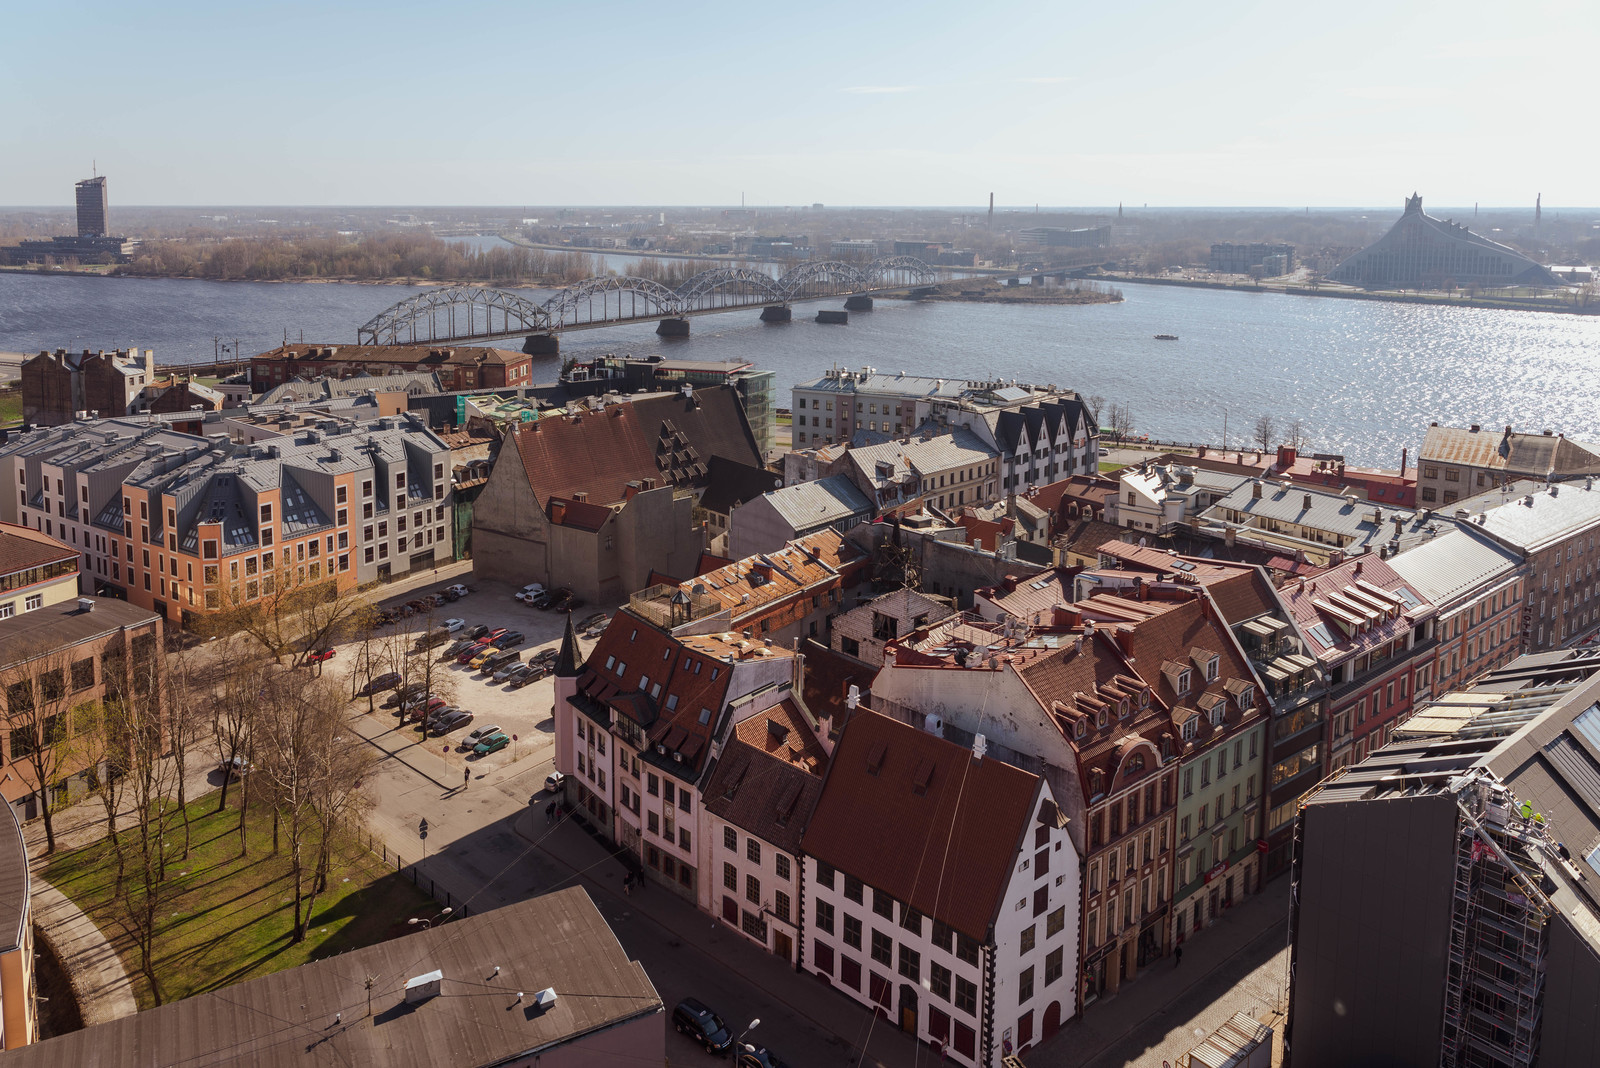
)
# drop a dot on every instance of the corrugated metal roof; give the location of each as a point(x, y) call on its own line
point(808, 505)
point(1453, 565)
point(1530, 516)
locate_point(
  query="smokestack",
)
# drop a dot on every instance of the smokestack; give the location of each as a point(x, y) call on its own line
point(991, 211)
point(1404, 452)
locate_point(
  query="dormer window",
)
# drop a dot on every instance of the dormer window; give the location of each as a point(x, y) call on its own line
point(1182, 685)
point(1124, 707)
point(1217, 711)
point(1135, 763)
point(1144, 698)
point(1211, 668)
point(1100, 718)
point(1191, 726)
point(1080, 728)
point(1246, 697)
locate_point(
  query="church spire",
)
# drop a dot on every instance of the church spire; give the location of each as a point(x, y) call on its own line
point(570, 660)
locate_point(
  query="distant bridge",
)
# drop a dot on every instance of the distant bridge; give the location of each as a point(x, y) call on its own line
point(477, 313)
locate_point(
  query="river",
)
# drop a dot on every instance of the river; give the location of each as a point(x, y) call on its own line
point(1364, 377)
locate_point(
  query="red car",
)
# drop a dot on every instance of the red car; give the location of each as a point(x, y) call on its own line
point(466, 655)
point(319, 655)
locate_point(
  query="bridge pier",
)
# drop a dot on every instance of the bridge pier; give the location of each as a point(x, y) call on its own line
point(858, 303)
point(542, 345)
point(672, 328)
point(923, 292)
point(837, 317)
point(777, 313)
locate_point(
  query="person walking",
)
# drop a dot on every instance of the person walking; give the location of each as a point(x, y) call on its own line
point(1177, 956)
point(466, 778)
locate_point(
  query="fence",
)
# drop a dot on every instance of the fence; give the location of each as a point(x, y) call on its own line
point(378, 848)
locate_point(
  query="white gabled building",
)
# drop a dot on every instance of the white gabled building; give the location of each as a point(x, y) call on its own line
point(942, 889)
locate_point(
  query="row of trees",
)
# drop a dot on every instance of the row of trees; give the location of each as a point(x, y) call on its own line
point(372, 257)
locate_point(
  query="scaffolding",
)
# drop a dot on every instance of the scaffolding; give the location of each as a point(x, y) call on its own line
point(1495, 977)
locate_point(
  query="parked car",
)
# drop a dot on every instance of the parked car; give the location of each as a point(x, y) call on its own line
point(554, 781)
point(693, 1018)
point(533, 673)
point(542, 600)
point(453, 720)
point(434, 715)
point(456, 592)
point(416, 699)
point(467, 655)
point(492, 744)
point(496, 660)
point(530, 591)
point(317, 656)
point(758, 1057)
point(455, 648)
point(482, 657)
point(404, 693)
point(513, 674)
point(387, 681)
point(235, 769)
point(480, 734)
point(590, 621)
point(479, 631)
point(453, 624)
point(419, 713)
point(506, 641)
point(508, 669)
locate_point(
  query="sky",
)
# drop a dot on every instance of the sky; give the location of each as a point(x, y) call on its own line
point(1160, 102)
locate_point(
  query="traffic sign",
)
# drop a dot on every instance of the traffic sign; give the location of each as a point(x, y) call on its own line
point(422, 830)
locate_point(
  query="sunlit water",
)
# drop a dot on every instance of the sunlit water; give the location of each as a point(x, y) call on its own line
point(1364, 377)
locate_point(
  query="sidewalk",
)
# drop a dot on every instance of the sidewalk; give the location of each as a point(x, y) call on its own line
point(843, 1021)
point(104, 991)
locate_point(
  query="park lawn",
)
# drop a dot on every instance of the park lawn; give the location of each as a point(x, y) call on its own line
point(11, 408)
point(230, 917)
point(1106, 467)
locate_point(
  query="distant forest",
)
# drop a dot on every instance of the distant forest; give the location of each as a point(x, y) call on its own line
point(371, 257)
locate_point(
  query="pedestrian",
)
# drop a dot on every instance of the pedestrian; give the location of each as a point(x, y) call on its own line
point(627, 885)
point(466, 777)
point(1177, 956)
point(549, 814)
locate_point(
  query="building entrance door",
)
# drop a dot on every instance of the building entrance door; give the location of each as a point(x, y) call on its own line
point(1211, 905)
point(782, 945)
point(908, 1009)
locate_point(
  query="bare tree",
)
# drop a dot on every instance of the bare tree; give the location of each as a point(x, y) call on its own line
point(1266, 429)
point(184, 720)
point(47, 739)
point(1295, 436)
point(296, 610)
point(1094, 402)
point(1119, 418)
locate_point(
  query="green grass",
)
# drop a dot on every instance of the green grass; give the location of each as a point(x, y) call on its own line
point(229, 917)
point(1107, 466)
point(10, 408)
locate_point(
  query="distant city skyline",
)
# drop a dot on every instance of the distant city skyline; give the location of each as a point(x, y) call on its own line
point(1159, 103)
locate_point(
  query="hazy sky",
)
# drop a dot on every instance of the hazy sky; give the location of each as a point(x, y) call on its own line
point(1166, 102)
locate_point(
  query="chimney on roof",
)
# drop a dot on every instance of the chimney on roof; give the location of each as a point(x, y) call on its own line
point(580, 495)
point(980, 746)
point(1474, 428)
point(1255, 488)
point(1306, 502)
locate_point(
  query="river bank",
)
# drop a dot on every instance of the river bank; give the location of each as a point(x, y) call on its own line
point(990, 291)
point(1438, 300)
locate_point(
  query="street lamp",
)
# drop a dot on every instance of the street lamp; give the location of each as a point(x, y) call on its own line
point(429, 923)
point(738, 1043)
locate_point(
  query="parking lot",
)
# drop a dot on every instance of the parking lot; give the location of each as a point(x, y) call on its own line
point(524, 714)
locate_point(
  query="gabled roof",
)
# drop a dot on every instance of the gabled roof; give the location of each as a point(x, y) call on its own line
point(747, 587)
point(806, 506)
point(769, 776)
point(668, 438)
point(920, 818)
point(1342, 611)
point(730, 483)
point(22, 548)
point(1454, 564)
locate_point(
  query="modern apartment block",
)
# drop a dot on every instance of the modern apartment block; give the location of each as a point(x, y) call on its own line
point(1444, 907)
point(1553, 527)
point(183, 525)
point(942, 891)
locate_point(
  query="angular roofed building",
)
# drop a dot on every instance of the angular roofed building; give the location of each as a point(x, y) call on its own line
point(915, 854)
point(777, 517)
point(1421, 252)
point(1457, 462)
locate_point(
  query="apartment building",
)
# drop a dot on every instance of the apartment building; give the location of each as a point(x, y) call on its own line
point(1479, 589)
point(457, 368)
point(789, 593)
point(58, 386)
point(1291, 519)
point(1553, 527)
point(57, 663)
point(941, 890)
point(639, 726)
point(946, 471)
point(1374, 638)
point(182, 525)
point(864, 632)
point(1162, 497)
point(1460, 462)
point(1443, 909)
point(777, 517)
point(19, 1010)
point(35, 571)
point(1064, 701)
point(757, 802)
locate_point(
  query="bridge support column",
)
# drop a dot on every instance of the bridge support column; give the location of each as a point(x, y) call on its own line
point(922, 292)
point(672, 328)
point(777, 313)
point(542, 345)
point(837, 317)
point(858, 303)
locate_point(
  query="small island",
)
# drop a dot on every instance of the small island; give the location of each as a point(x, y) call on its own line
point(991, 291)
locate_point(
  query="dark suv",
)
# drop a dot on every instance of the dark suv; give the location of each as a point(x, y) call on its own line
point(694, 1019)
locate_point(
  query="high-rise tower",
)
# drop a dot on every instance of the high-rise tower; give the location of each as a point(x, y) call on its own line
point(92, 205)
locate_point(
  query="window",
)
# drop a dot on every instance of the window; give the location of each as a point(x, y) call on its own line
point(966, 950)
point(939, 980)
point(882, 948)
point(730, 839)
point(853, 889)
point(754, 926)
point(1055, 922)
point(752, 889)
point(910, 964)
point(780, 904)
point(730, 874)
point(825, 874)
point(911, 920)
point(781, 862)
point(824, 916)
point(852, 931)
point(1028, 936)
point(752, 850)
point(882, 904)
point(966, 996)
point(1041, 898)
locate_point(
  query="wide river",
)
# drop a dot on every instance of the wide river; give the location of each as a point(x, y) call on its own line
point(1364, 377)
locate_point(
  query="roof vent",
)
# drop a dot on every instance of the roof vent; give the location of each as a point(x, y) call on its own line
point(86, 604)
point(980, 746)
point(422, 987)
point(545, 998)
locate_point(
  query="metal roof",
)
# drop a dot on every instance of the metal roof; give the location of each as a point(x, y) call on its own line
point(809, 505)
point(1453, 565)
point(1530, 516)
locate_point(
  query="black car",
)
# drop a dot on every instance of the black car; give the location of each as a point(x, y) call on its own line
point(758, 1057)
point(387, 681)
point(509, 639)
point(695, 1019)
point(532, 673)
point(479, 631)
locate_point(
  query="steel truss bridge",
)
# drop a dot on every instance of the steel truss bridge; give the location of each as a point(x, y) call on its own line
point(477, 313)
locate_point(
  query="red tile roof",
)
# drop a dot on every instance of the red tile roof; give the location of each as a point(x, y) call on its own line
point(916, 816)
point(828, 678)
point(21, 548)
point(766, 585)
point(770, 775)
